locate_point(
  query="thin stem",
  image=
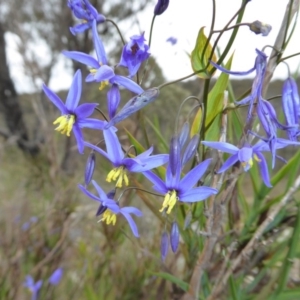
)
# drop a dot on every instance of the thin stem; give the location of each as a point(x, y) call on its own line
point(232, 27)
point(139, 189)
point(120, 34)
point(102, 113)
point(290, 56)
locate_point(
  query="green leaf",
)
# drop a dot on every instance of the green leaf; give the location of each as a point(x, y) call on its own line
point(183, 285)
point(196, 56)
point(139, 148)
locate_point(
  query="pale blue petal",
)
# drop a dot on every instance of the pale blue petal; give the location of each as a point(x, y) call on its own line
point(98, 45)
point(79, 138)
point(132, 210)
point(263, 167)
point(158, 183)
point(128, 84)
point(92, 123)
point(104, 73)
point(146, 163)
point(89, 194)
point(197, 194)
point(224, 147)
point(231, 72)
point(82, 58)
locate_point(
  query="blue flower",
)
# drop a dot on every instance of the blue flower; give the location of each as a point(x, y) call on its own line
point(134, 53)
point(86, 12)
point(34, 287)
point(247, 154)
point(109, 208)
point(291, 107)
point(100, 71)
point(256, 92)
point(176, 189)
point(122, 163)
point(56, 276)
point(74, 117)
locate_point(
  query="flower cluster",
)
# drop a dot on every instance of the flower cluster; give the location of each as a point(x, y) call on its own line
point(182, 178)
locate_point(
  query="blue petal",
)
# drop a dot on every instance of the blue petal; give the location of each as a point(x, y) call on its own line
point(191, 178)
point(231, 72)
point(197, 194)
point(132, 210)
point(158, 183)
point(89, 194)
point(263, 167)
point(113, 146)
point(79, 28)
point(99, 190)
point(85, 110)
point(228, 163)
point(224, 147)
point(174, 159)
point(146, 163)
point(191, 149)
point(82, 58)
point(104, 73)
point(98, 45)
point(99, 150)
point(74, 92)
point(128, 84)
point(79, 138)
point(55, 100)
point(131, 223)
point(92, 123)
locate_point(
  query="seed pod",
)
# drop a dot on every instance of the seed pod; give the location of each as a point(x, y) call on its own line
point(258, 27)
point(190, 149)
point(184, 134)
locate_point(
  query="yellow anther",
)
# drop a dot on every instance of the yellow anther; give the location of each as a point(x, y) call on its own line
point(109, 217)
point(66, 123)
point(256, 158)
point(169, 201)
point(119, 175)
point(103, 84)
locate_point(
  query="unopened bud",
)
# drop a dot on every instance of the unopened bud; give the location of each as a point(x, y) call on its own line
point(161, 7)
point(184, 134)
point(259, 27)
point(89, 168)
point(174, 237)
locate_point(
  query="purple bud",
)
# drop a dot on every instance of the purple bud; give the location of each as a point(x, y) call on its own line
point(258, 27)
point(89, 168)
point(190, 149)
point(174, 237)
point(164, 245)
point(184, 134)
point(160, 7)
point(56, 276)
point(174, 154)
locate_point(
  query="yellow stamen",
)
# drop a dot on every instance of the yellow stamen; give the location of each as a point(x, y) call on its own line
point(256, 158)
point(109, 217)
point(169, 201)
point(103, 84)
point(119, 175)
point(66, 123)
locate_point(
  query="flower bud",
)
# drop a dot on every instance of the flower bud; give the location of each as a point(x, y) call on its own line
point(164, 245)
point(101, 209)
point(89, 168)
point(161, 7)
point(174, 237)
point(190, 149)
point(113, 100)
point(174, 158)
point(258, 27)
